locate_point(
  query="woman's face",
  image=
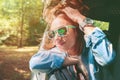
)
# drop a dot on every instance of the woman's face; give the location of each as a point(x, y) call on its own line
point(67, 41)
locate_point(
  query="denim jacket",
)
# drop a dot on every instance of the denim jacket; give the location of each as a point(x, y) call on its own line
point(97, 56)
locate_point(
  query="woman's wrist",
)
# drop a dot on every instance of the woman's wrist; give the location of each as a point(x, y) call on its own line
point(81, 19)
point(70, 61)
point(87, 22)
point(88, 29)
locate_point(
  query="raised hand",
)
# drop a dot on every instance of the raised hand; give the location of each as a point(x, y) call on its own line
point(74, 14)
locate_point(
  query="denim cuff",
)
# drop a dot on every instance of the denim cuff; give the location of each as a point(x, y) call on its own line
point(94, 37)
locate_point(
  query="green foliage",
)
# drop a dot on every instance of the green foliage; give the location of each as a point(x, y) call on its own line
point(21, 19)
point(101, 24)
point(35, 32)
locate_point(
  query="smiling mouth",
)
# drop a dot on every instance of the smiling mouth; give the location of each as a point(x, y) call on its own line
point(60, 44)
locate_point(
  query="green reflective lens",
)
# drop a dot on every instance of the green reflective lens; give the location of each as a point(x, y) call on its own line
point(62, 31)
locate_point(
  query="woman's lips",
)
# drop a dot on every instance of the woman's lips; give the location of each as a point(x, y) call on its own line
point(60, 43)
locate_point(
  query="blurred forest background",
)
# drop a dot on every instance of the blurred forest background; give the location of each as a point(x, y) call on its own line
point(21, 22)
point(21, 30)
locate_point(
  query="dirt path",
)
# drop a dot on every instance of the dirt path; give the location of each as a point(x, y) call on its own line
point(14, 63)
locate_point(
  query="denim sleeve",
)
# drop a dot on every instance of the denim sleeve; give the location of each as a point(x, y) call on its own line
point(46, 61)
point(101, 47)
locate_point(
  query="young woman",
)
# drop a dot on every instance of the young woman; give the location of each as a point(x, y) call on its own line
point(78, 43)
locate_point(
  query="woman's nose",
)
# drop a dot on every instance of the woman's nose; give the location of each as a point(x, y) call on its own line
point(57, 37)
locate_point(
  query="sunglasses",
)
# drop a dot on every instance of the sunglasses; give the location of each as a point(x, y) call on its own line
point(60, 32)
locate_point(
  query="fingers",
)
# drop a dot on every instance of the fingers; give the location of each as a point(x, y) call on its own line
point(73, 14)
point(77, 57)
point(70, 61)
point(70, 11)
